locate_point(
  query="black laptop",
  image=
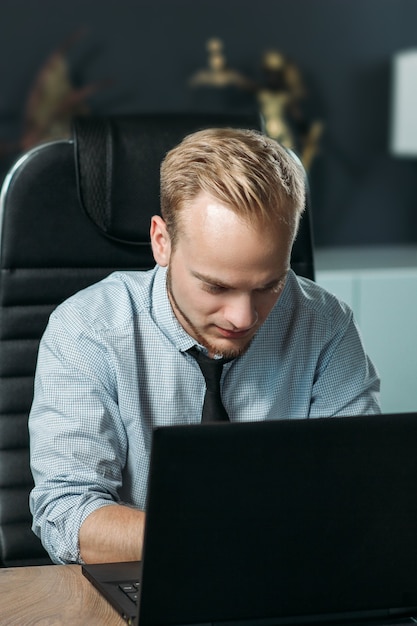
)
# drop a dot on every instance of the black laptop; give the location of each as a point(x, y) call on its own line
point(276, 523)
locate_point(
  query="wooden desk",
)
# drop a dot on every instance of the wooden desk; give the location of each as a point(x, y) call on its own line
point(52, 594)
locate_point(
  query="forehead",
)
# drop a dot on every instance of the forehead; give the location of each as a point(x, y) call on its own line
point(208, 213)
point(214, 239)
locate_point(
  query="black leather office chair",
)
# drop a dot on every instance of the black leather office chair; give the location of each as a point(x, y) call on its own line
point(71, 212)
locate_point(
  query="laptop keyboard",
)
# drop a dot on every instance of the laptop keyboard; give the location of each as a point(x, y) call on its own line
point(131, 590)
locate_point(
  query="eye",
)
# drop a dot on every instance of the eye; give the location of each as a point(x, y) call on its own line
point(275, 288)
point(214, 289)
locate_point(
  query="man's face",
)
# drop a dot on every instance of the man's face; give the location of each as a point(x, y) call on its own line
point(224, 275)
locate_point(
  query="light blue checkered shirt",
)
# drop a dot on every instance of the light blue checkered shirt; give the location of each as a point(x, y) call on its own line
point(112, 365)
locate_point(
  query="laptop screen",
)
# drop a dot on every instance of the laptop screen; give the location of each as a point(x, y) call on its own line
point(285, 518)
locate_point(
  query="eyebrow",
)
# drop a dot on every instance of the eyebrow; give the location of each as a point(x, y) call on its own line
point(219, 283)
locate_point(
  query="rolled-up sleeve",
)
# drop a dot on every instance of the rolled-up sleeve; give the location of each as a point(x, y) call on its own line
point(77, 441)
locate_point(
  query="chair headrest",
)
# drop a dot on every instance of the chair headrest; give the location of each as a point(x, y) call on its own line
point(118, 161)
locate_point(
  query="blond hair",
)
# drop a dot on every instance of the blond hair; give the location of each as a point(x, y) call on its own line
point(243, 169)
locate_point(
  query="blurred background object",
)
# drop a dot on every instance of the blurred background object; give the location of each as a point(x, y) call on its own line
point(404, 104)
point(217, 73)
point(219, 87)
point(52, 102)
point(281, 98)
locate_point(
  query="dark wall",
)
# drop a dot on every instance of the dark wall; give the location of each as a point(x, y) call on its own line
point(147, 50)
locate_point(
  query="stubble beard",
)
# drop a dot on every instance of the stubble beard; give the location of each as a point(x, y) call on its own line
point(213, 349)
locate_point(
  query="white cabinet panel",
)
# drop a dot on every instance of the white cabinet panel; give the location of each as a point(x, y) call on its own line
point(380, 285)
point(388, 321)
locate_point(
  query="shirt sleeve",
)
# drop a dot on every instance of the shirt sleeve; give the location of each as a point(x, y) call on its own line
point(346, 381)
point(77, 441)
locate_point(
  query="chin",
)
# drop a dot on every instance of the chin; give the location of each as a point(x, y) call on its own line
point(226, 349)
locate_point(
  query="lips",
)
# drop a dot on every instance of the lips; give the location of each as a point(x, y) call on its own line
point(231, 334)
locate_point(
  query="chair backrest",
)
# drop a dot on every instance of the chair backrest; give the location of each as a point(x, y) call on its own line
point(71, 212)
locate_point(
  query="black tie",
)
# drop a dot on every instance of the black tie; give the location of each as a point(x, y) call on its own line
point(213, 409)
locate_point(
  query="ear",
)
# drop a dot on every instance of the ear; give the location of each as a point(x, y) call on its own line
point(160, 241)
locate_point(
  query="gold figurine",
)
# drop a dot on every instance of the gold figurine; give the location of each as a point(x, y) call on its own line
point(217, 73)
point(280, 102)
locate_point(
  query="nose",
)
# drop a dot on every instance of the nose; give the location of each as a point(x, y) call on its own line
point(240, 312)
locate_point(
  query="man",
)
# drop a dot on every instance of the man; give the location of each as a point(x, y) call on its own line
point(114, 361)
